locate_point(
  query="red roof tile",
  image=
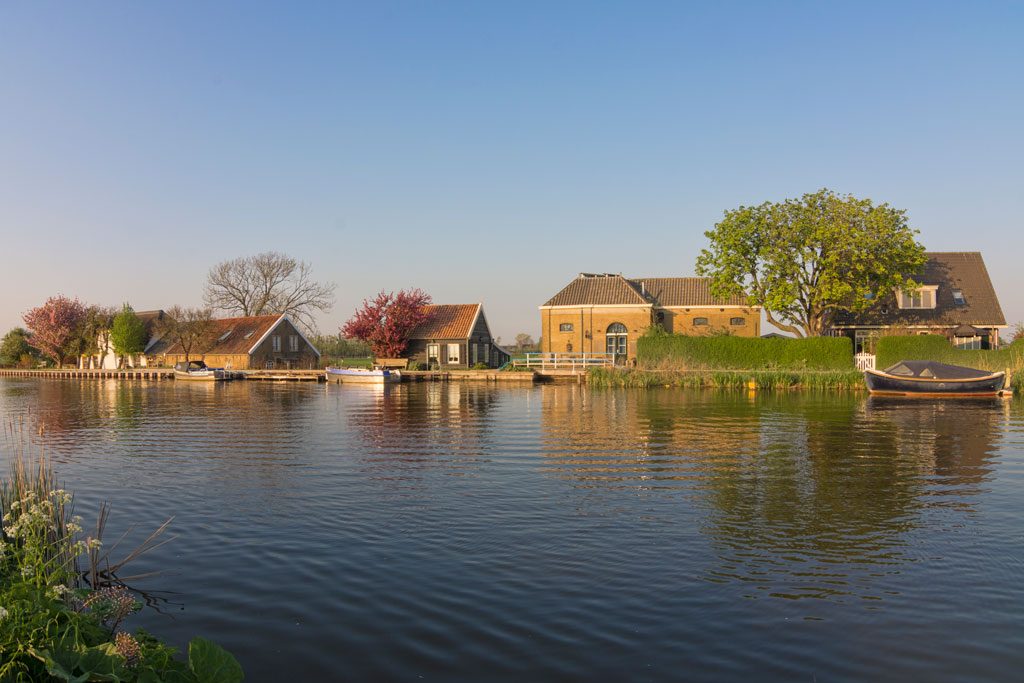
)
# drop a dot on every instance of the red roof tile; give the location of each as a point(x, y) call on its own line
point(448, 321)
point(234, 335)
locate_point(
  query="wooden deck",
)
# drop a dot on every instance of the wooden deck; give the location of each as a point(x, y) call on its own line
point(72, 373)
point(468, 376)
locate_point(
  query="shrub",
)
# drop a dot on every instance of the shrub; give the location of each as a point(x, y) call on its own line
point(744, 353)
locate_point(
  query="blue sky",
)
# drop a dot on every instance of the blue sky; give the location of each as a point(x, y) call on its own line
point(484, 151)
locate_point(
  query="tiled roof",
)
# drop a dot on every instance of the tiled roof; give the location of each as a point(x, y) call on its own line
point(447, 321)
point(611, 290)
point(684, 291)
point(598, 290)
point(962, 270)
point(234, 335)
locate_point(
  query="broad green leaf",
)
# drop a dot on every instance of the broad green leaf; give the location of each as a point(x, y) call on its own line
point(213, 664)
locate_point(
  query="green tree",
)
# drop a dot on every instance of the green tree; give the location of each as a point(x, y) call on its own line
point(14, 347)
point(804, 259)
point(127, 334)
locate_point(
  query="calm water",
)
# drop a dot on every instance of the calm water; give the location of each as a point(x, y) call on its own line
point(449, 532)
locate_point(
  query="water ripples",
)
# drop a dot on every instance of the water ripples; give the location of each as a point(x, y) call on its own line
point(460, 532)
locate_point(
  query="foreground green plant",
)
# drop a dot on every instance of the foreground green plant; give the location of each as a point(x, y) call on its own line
point(54, 627)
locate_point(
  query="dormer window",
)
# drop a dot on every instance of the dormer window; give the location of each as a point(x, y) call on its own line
point(920, 298)
point(958, 298)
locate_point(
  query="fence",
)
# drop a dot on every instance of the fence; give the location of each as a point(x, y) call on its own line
point(864, 361)
point(574, 362)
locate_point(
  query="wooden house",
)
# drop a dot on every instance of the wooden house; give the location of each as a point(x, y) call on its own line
point(607, 313)
point(248, 343)
point(456, 336)
point(955, 299)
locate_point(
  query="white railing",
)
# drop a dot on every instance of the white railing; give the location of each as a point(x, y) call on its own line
point(864, 361)
point(564, 361)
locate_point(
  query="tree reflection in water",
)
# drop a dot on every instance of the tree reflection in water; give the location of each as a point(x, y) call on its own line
point(801, 495)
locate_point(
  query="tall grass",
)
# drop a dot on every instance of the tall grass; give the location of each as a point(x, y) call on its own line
point(765, 380)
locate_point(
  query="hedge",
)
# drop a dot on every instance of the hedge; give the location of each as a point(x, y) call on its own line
point(744, 353)
point(891, 350)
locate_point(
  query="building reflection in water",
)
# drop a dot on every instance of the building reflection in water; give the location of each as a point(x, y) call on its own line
point(798, 496)
point(400, 433)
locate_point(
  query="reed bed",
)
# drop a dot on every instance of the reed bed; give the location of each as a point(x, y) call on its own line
point(764, 380)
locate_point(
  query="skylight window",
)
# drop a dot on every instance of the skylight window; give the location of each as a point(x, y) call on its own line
point(249, 334)
point(226, 335)
point(958, 298)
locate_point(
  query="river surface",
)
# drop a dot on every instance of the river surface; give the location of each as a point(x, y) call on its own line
point(556, 533)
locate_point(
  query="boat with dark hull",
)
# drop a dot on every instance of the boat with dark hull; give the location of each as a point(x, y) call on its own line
point(932, 379)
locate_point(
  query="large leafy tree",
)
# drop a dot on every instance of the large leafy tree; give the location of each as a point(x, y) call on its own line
point(386, 321)
point(127, 334)
point(193, 329)
point(15, 349)
point(92, 334)
point(55, 326)
point(268, 283)
point(804, 259)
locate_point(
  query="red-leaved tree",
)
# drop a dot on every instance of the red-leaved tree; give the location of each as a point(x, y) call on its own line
point(54, 325)
point(386, 322)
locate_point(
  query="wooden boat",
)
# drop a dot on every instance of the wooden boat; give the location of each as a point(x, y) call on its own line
point(197, 371)
point(363, 375)
point(929, 378)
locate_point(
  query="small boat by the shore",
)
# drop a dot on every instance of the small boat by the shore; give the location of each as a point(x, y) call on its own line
point(363, 375)
point(933, 379)
point(197, 371)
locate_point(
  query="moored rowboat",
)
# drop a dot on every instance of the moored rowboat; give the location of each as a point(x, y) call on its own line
point(363, 375)
point(933, 379)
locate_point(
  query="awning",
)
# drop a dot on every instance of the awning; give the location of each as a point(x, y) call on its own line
point(969, 331)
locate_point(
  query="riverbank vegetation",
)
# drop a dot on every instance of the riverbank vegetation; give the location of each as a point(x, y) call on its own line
point(62, 609)
point(771, 380)
point(658, 350)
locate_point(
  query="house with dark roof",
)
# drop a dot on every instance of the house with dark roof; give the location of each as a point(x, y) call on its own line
point(607, 313)
point(255, 342)
point(955, 299)
point(455, 336)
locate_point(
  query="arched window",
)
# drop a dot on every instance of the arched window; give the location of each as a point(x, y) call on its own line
point(737, 321)
point(616, 339)
point(697, 322)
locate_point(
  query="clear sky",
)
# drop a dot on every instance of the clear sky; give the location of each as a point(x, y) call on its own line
point(484, 151)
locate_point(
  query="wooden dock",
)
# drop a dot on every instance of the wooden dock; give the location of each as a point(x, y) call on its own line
point(73, 373)
point(132, 374)
point(468, 376)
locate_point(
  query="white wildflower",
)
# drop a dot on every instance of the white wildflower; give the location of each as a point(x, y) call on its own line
point(3, 613)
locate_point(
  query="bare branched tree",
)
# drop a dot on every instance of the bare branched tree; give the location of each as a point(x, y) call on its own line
point(265, 284)
point(191, 329)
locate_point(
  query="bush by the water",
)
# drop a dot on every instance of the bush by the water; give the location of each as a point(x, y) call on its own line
point(891, 350)
point(56, 627)
point(676, 351)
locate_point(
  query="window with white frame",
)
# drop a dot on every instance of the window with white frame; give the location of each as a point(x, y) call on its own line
point(921, 298)
point(276, 342)
point(958, 298)
point(487, 353)
point(453, 354)
point(433, 353)
point(293, 343)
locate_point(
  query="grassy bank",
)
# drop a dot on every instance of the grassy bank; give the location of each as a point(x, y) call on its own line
point(62, 609)
point(772, 380)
